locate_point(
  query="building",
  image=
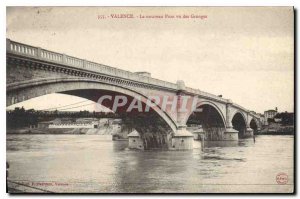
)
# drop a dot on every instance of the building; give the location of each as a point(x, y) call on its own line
point(269, 114)
point(277, 120)
point(88, 123)
point(284, 118)
point(44, 125)
point(262, 119)
point(63, 121)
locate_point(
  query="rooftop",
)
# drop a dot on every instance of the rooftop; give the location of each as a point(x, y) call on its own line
point(270, 111)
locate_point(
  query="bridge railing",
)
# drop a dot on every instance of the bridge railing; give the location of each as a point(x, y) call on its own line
point(246, 110)
point(39, 53)
point(202, 93)
point(240, 107)
point(50, 56)
point(22, 49)
point(73, 61)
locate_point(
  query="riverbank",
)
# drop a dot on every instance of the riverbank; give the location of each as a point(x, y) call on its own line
point(274, 133)
point(101, 131)
point(42, 131)
point(277, 129)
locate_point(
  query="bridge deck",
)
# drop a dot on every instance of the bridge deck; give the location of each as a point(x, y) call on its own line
point(70, 61)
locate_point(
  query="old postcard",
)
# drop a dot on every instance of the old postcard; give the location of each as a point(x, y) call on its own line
point(150, 100)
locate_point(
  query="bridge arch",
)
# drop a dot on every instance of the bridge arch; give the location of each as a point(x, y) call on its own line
point(210, 104)
point(239, 123)
point(82, 87)
point(254, 125)
point(210, 118)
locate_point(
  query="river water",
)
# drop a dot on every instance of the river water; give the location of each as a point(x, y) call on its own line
point(94, 163)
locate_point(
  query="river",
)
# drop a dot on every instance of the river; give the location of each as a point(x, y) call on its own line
point(94, 163)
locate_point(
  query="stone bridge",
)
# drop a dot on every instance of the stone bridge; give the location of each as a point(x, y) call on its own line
point(32, 72)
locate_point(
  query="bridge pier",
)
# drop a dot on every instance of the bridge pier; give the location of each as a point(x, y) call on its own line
point(248, 133)
point(215, 134)
point(199, 134)
point(135, 141)
point(258, 130)
point(182, 139)
point(230, 134)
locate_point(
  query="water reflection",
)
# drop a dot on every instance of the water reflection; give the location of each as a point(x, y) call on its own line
point(211, 144)
point(93, 163)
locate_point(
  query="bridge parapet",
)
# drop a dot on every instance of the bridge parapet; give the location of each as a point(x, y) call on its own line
point(205, 94)
point(60, 59)
point(240, 107)
point(50, 56)
point(21, 48)
point(250, 113)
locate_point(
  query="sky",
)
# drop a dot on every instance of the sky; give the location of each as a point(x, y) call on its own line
point(245, 54)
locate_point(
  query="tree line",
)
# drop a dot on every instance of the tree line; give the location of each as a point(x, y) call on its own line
point(19, 117)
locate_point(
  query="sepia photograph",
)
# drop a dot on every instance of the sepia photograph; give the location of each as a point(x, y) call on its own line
point(150, 99)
